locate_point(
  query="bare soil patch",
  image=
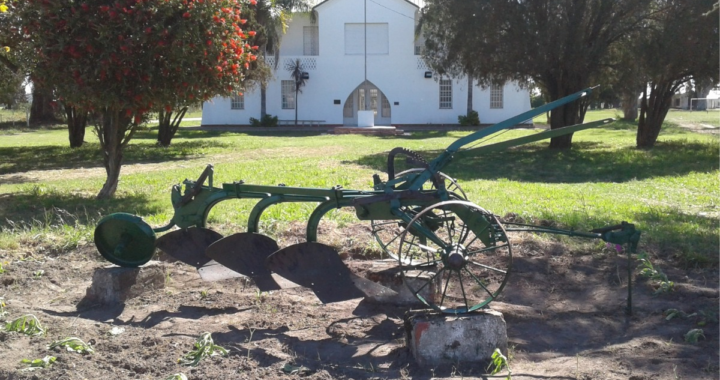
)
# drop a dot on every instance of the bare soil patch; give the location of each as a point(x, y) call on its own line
point(564, 311)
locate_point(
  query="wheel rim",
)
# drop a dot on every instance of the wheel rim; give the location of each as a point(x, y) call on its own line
point(463, 266)
point(387, 232)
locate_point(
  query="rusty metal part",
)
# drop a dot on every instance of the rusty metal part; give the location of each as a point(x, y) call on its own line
point(188, 244)
point(245, 253)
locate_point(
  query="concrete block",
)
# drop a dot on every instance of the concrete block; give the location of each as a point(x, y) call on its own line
point(113, 284)
point(436, 339)
point(387, 273)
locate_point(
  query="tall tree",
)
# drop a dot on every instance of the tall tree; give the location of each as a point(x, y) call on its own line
point(297, 73)
point(272, 18)
point(121, 58)
point(679, 43)
point(558, 44)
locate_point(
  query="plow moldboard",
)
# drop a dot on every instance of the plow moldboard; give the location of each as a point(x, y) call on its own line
point(188, 245)
point(245, 253)
point(318, 267)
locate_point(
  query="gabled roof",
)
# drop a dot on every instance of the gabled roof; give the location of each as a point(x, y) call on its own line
point(325, 1)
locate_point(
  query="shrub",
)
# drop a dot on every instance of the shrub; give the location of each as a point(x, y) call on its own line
point(266, 121)
point(471, 119)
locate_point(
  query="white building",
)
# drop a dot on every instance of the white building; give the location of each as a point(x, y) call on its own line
point(363, 55)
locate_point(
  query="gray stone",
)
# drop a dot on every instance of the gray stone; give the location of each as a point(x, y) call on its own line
point(113, 284)
point(436, 338)
point(387, 273)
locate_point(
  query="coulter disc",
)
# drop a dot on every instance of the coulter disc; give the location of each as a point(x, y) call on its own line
point(125, 240)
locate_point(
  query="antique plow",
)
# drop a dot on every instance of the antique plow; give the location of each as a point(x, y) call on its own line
point(421, 217)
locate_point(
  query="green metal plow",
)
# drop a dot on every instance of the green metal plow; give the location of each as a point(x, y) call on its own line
point(421, 217)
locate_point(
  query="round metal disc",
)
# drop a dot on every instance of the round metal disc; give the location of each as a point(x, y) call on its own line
point(125, 240)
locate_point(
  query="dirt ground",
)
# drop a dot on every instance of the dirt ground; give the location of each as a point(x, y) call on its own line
point(564, 310)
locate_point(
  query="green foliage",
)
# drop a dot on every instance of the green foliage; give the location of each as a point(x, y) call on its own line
point(27, 324)
point(536, 100)
point(39, 363)
point(204, 348)
point(693, 335)
point(648, 270)
point(468, 120)
point(266, 121)
point(499, 361)
point(72, 344)
point(132, 55)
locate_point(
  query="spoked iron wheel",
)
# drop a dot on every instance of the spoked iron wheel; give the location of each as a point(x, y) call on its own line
point(455, 257)
point(387, 232)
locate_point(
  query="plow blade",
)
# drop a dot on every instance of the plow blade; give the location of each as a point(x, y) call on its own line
point(319, 267)
point(245, 253)
point(188, 245)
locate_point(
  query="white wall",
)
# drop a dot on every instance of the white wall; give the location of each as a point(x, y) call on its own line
point(399, 74)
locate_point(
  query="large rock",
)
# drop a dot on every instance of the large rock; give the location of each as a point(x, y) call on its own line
point(435, 338)
point(113, 284)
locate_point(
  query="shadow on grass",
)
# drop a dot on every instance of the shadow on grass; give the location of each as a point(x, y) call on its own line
point(51, 157)
point(44, 209)
point(585, 162)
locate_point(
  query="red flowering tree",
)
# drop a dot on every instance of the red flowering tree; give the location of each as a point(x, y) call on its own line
point(119, 59)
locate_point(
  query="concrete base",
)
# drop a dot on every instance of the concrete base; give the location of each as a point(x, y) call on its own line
point(436, 339)
point(113, 284)
point(388, 274)
point(374, 131)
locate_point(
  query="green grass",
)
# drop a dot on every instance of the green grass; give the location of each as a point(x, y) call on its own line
point(671, 192)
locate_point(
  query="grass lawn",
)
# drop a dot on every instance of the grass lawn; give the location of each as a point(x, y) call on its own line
point(671, 192)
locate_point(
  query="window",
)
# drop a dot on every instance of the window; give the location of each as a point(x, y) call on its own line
point(496, 96)
point(310, 40)
point(237, 102)
point(377, 39)
point(348, 107)
point(445, 93)
point(288, 94)
point(385, 107)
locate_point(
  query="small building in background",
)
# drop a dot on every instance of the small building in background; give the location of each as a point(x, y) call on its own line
point(362, 55)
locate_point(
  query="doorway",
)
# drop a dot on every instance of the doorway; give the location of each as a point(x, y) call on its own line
point(364, 97)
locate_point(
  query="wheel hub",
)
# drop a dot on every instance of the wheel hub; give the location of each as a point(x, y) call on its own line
point(456, 258)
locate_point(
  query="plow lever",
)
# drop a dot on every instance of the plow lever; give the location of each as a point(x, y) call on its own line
point(189, 194)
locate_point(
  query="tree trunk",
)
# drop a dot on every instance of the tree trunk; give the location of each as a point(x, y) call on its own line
point(41, 110)
point(114, 131)
point(263, 101)
point(569, 114)
point(296, 104)
point(563, 116)
point(168, 126)
point(469, 95)
point(653, 109)
point(76, 121)
point(630, 105)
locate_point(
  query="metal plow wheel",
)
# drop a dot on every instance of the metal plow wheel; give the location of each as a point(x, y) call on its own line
point(387, 232)
point(463, 263)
